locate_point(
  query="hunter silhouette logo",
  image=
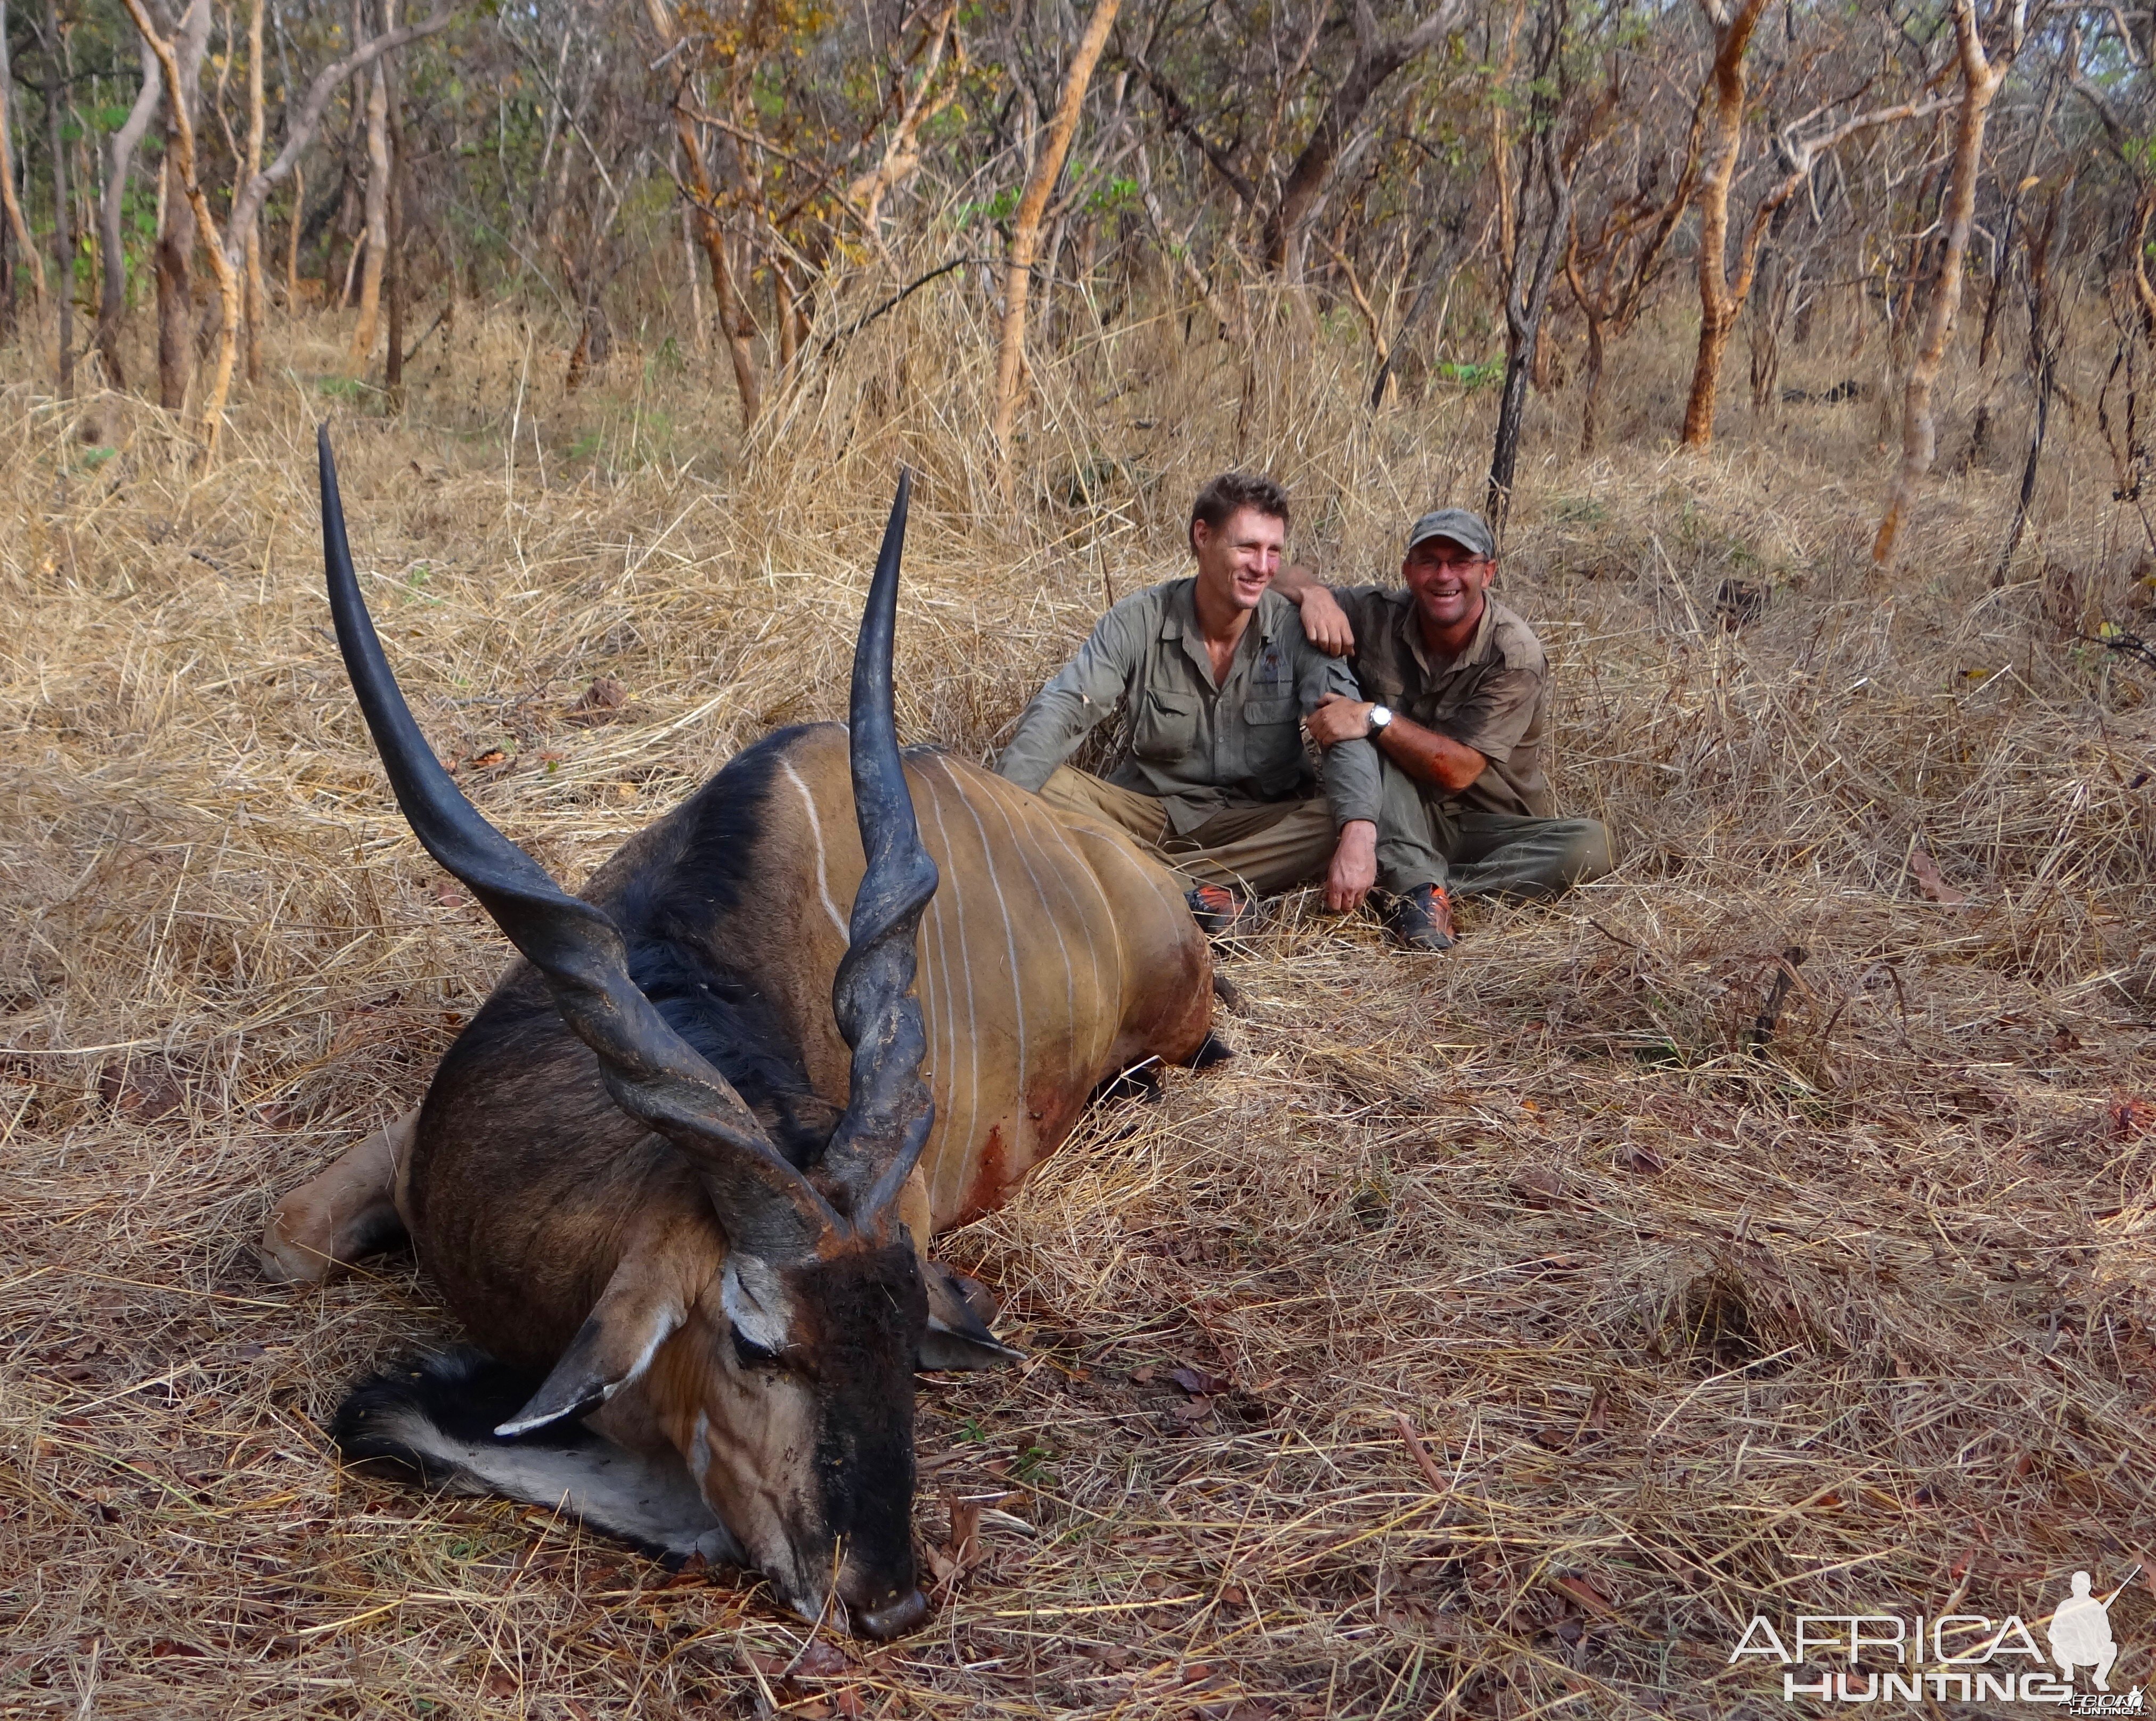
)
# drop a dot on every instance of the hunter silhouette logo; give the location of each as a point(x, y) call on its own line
point(2080, 1632)
point(1885, 1658)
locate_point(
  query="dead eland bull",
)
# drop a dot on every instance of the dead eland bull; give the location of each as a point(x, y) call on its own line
point(679, 1174)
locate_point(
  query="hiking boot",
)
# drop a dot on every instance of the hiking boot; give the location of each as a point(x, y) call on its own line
point(1220, 912)
point(1422, 919)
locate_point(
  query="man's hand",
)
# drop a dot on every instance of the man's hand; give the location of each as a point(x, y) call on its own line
point(1354, 866)
point(1337, 719)
point(1324, 622)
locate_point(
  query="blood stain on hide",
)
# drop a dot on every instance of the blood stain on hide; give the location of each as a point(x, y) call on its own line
point(988, 1186)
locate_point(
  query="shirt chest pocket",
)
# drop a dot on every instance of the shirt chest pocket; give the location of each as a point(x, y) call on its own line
point(1167, 727)
point(1273, 737)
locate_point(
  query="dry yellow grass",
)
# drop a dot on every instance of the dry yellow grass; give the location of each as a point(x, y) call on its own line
point(1688, 1329)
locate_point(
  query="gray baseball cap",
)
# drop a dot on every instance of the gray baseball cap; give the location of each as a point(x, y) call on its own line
point(1460, 525)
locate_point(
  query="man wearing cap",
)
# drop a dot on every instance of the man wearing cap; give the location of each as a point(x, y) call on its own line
point(1457, 707)
point(1214, 679)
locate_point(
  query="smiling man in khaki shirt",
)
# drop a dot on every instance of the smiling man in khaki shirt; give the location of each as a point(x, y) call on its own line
point(1214, 676)
point(1457, 697)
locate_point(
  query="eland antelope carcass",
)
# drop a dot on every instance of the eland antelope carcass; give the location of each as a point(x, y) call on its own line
point(677, 1177)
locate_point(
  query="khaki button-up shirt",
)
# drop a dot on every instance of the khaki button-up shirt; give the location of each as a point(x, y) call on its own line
point(1201, 749)
point(1494, 697)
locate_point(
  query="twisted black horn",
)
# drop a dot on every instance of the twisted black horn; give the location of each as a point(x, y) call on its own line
point(888, 1110)
point(766, 1206)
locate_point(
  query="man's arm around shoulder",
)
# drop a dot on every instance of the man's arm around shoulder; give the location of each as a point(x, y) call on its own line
point(1325, 623)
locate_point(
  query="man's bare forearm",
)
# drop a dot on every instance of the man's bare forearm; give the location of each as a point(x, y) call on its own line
point(1428, 756)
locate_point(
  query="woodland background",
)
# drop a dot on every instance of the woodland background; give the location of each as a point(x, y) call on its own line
point(1769, 1228)
point(1497, 194)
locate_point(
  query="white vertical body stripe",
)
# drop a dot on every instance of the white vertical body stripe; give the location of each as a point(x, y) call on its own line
point(816, 831)
point(1010, 937)
point(1021, 844)
point(943, 1063)
point(1107, 909)
point(959, 1139)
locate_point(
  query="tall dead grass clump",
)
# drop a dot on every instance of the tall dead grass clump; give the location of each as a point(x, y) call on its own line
point(1768, 1229)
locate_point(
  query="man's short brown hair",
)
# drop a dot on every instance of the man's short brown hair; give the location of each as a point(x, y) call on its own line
point(1231, 491)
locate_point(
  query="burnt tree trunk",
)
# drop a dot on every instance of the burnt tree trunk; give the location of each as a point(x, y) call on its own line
point(2043, 367)
point(1525, 303)
point(394, 284)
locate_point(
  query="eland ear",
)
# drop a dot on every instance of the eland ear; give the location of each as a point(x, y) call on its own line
point(640, 1309)
point(959, 1310)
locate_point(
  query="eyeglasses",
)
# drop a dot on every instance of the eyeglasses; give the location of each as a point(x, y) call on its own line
point(1459, 558)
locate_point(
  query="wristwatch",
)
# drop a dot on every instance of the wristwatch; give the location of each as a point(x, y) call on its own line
point(1380, 715)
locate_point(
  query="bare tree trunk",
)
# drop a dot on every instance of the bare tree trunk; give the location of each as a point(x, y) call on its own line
point(1718, 310)
point(175, 236)
point(299, 127)
point(6, 283)
point(708, 230)
point(2143, 290)
point(182, 160)
point(292, 243)
point(2043, 367)
point(63, 227)
point(1524, 322)
point(16, 224)
point(1377, 57)
point(1981, 77)
point(783, 314)
point(112, 300)
point(699, 337)
point(1025, 226)
point(1590, 309)
point(258, 300)
point(392, 377)
point(901, 150)
point(378, 207)
point(1226, 313)
point(733, 326)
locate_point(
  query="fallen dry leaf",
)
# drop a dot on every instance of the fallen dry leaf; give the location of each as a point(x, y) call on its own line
point(1588, 1596)
point(1197, 1382)
point(144, 1093)
point(961, 1552)
point(822, 1659)
point(1931, 881)
point(599, 702)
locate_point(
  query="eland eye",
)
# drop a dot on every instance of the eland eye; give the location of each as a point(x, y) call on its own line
point(752, 1354)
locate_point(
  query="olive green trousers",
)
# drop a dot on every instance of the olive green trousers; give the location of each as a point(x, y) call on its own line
point(1422, 840)
point(1263, 849)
